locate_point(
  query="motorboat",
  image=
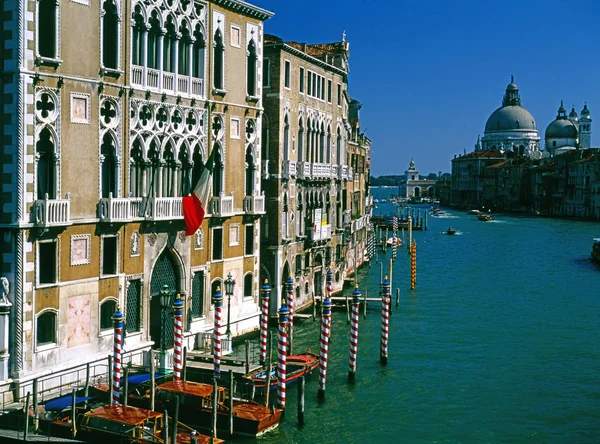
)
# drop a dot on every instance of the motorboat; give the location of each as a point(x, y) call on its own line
point(393, 240)
point(450, 231)
point(484, 217)
point(474, 212)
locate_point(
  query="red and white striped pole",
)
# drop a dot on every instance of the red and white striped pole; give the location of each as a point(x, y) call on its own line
point(264, 321)
point(325, 331)
point(354, 334)
point(282, 355)
point(218, 301)
point(290, 306)
point(117, 319)
point(385, 320)
point(178, 343)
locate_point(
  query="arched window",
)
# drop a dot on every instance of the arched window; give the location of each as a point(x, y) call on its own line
point(338, 143)
point(249, 171)
point(107, 310)
point(198, 53)
point(169, 42)
point(153, 41)
point(48, 28)
point(109, 166)
point(217, 173)
point(322, 144)
point(248, 283)
point(46, 169)
point(184, 54)
point(251, 75)
point(152, 170)
point(198, 165)
point(185, 186)
point(286, 138)
point(169, 173)
point(46, 328)
point(300, 140)
point(136, 185)
point(110, 35)
point(218, 61)
point(137, 36)
point(328, 160)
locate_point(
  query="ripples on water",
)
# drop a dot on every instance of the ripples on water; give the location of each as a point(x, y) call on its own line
point(498, 343)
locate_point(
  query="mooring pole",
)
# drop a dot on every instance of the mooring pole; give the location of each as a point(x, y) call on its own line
point(385, 321)
point(218, 301)
point(178, 337)
point(35, 405)
point(184, 365)
point(354, 335)
point(230, 403)
point(175, 420)
point(213, 432)
point(166, 427)
point(26, 413)
point(264, 321)
point(282, 356)
point(152, 380)
point(74, 413)
point(117, 319)
point(290, 306)
point(125, 385)
point(301, 401)
point(269, 368)
point(325, 332)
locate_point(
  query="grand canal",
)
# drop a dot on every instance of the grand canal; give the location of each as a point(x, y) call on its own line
point(497, 343)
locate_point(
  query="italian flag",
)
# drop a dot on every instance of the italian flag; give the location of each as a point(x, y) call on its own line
point(194, 206)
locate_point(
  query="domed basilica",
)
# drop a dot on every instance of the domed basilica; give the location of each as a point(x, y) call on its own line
point(512, 128)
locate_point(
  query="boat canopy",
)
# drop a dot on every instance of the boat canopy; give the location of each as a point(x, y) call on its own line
point(189, 388)
point(63, 402)
point(125, 415)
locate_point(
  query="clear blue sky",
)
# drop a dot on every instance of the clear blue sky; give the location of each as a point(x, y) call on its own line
point(429, 73)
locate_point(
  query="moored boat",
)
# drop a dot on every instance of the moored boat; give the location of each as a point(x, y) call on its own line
point(394, 240)
point(596, 250)
point(196, 401)
point(116, 423)
point(297, 366)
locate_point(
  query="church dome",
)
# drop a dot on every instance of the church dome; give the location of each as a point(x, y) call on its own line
point(510, 118)
point(561, 129)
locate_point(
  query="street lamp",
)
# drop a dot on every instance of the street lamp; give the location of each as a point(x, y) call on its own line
point(164, 299)
point(229, 284)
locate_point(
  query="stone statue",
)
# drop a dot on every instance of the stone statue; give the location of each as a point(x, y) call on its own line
point(4, 290)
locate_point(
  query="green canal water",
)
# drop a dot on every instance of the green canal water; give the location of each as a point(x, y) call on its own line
point(498, 343)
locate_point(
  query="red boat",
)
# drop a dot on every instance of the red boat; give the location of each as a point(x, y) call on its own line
point(297, 365)
point(196, 402)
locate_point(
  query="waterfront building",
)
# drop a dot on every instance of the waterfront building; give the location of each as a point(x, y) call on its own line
point(316, 168)
point(468, 177)
point(416, 187)
point(109, 112)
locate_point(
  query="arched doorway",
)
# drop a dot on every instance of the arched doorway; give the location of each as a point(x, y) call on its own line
point(165, 272)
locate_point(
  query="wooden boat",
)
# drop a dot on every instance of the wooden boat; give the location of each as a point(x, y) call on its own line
point(196, 401)
point(450, 231)
point(297, 365)
point(596, 250)
point(484, 217)
point(391, 241)
point(126, 424)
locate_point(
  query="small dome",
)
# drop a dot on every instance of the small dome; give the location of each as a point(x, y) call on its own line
point(561, 129)
point(572, 113)
point(585, 111)
point(510, 118)
point(512, 86)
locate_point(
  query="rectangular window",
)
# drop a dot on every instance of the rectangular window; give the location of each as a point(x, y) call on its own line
point(284, 225)
point(249, 240)
point(286, 78)
point(46, 328)
point(132, 309)
point(234, 235)
point(236, 36)
point(234, 130)
point(109, 255)
point(47, 255)
point(298, 265)
point(198, 294)
point(298, 223)
point(329, 90)
point(322, 88)
point(318, 88)
point(301, 86)
point(309, 80)
point(315, 80)
point(266, 73)
point(217, 244)
point(339, 95)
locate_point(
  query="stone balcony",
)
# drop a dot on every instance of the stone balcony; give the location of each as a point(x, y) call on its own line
point(120, 209)
point(288, 169)
point(222, 206)
point(167, 81)
point(164, 208)
point(321, 171)
point(303, 170)
point(48, 213)
point(254, 204)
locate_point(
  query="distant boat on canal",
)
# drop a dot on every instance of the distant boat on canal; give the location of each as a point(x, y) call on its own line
point(596, 250)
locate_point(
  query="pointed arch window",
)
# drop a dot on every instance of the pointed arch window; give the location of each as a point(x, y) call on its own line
point(249, 171)
point(338, 143)
point(251, 74)
point(328, 145)
point(218, 61)
point(110, 35)
point(198, 165)
point(46, 165)
point(109, 166)
point(218, 173)
point(185, 186)
point(47, 21)
point(137, 36)
point(198, 49)
point(286, 138)
point(322, 144)
point(169, 42)
point(136, 179)
point(300, 140)
point(153, 41)
point(169, 172)
point(152, 169)
point(184, 50)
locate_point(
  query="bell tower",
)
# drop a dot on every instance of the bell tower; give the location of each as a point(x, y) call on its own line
point(585, 128)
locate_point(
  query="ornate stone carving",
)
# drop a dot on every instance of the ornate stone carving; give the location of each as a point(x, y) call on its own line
point(4, 289)
point(135, 244)
point(152, 237)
